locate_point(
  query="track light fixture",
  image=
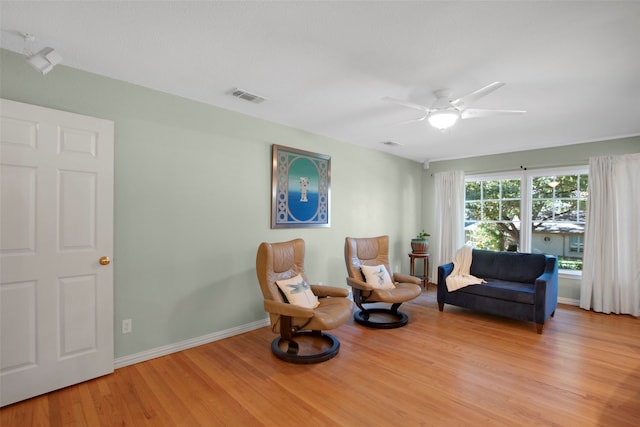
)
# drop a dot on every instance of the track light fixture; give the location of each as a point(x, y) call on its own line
point(44, 60)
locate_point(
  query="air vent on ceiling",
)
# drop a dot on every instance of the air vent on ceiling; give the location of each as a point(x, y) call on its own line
point(247, 96)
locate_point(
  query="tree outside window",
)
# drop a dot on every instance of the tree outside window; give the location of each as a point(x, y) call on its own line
point(492, 214)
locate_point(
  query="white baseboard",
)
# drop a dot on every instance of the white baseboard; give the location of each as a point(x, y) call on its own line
point(121, 362)
point(569, 301)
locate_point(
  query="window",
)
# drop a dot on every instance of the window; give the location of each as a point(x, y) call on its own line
point(541, 212)
point(492, 214)
point(558, 208)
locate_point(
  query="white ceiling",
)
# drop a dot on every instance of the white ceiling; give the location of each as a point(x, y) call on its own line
point(325, 66)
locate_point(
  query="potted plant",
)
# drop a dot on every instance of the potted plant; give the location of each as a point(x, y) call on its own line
point(420, 243)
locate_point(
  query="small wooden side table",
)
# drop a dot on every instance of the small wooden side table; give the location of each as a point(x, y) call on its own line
point(425, 260)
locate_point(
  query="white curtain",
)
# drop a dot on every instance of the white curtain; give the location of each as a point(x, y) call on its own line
point(449, 219)
point(611, 263)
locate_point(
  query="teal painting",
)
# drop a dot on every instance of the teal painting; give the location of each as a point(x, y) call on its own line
point(300, 188)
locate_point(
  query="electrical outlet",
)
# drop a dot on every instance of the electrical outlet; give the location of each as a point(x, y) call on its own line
point(127, 326)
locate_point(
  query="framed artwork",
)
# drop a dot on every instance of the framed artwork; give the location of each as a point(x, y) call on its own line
point(300, 188)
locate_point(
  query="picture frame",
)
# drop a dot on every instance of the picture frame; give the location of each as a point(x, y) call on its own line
point(300, 188)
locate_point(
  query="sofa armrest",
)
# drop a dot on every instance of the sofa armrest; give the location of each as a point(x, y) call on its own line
point(443, 271)
point(546, 290)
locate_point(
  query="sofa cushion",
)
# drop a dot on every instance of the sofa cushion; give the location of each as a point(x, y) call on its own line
point(507, 266)
point(504, 290)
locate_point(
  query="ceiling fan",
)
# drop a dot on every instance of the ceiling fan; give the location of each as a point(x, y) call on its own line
point(445, 112)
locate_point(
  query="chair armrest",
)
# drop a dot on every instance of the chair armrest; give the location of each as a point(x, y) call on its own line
point(405, 278)
point(286, 309)
point(359, 284)
point(329, 291)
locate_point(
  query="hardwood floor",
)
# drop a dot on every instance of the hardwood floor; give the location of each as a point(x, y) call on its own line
point(457, 368)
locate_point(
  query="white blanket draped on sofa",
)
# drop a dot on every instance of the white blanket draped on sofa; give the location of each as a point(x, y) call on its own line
point(461, 274)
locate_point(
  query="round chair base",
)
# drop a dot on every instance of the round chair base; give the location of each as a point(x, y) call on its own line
point(397, 318)
point(304, 347)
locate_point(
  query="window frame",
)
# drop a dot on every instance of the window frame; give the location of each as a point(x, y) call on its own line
point(526, 199)
point(497, 176)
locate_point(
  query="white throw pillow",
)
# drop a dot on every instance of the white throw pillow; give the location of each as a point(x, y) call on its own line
point(377, 276)
point(298, 292)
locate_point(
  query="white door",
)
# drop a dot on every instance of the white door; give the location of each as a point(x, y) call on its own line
point(56, 222)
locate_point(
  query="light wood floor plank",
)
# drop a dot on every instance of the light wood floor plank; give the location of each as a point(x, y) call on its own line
point(456, 367)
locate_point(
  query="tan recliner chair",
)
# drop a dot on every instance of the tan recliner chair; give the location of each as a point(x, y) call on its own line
point(374, 251)
point(301, 338)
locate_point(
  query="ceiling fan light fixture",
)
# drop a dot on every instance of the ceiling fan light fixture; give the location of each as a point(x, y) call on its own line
point(444, 119)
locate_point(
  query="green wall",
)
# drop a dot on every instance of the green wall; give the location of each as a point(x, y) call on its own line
point(570, 155)
point(192, 202)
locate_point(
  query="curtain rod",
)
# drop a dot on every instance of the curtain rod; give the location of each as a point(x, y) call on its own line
point(580, 162)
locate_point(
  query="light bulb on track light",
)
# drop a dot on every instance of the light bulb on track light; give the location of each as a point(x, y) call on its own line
point(43, 61)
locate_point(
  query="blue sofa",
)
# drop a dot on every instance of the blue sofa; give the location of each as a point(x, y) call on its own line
point(519, 286)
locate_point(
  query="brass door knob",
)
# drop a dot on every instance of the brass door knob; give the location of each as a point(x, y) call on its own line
point(104, 260)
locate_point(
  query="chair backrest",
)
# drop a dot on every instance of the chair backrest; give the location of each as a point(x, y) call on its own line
point(366, 251)
point(278, 261)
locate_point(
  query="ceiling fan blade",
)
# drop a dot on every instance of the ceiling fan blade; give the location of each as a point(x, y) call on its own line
point(472, 113)
point(414, 120)
point(407, 104)
point(474, 96)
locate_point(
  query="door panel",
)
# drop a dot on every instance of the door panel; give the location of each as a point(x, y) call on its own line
point(18, 210)
point(77, 210)
point(56, 208)
point(78, 328)
point(18, 305)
